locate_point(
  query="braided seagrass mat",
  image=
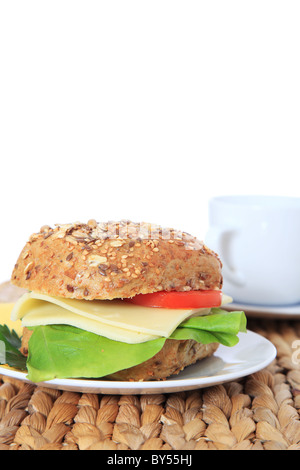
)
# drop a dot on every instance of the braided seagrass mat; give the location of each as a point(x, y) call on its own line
point(259, 412)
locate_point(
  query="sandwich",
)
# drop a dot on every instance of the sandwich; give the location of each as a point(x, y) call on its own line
point(119, 301)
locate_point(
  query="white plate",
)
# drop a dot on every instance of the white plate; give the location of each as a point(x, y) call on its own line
point(265, 311)
point(251, 354)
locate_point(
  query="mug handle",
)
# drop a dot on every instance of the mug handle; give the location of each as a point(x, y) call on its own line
point(220, 239)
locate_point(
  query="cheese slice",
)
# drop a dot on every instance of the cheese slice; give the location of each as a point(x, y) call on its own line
point(145, 321)
point(5, 314)
point(114, 319)
point(226, 299)
point(50, 314)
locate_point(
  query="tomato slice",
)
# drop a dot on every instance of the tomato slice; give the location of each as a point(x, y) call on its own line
point(181, 300)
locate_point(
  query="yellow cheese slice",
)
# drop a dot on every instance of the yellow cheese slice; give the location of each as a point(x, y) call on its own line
point(226, 299)
point(5, 313)
point(156, 322)
point(114, 319)
point(50, 314)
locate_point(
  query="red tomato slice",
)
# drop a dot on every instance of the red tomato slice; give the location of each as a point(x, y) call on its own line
point(180, 300)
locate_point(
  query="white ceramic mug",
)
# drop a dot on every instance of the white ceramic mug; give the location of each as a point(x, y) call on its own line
point(258, 241)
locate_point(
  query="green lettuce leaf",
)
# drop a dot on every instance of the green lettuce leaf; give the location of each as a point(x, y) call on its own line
point(220, 321)
point(205, 337)
point(219, 327)
point(63, 351)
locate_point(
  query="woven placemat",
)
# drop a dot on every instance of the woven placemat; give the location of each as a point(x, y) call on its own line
point(259, 412)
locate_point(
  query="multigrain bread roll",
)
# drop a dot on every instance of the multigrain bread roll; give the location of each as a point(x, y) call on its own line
point(171, 359)
point(120, 260)
point(116, 260)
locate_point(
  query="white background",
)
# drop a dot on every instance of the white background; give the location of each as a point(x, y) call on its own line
point(143, 110)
